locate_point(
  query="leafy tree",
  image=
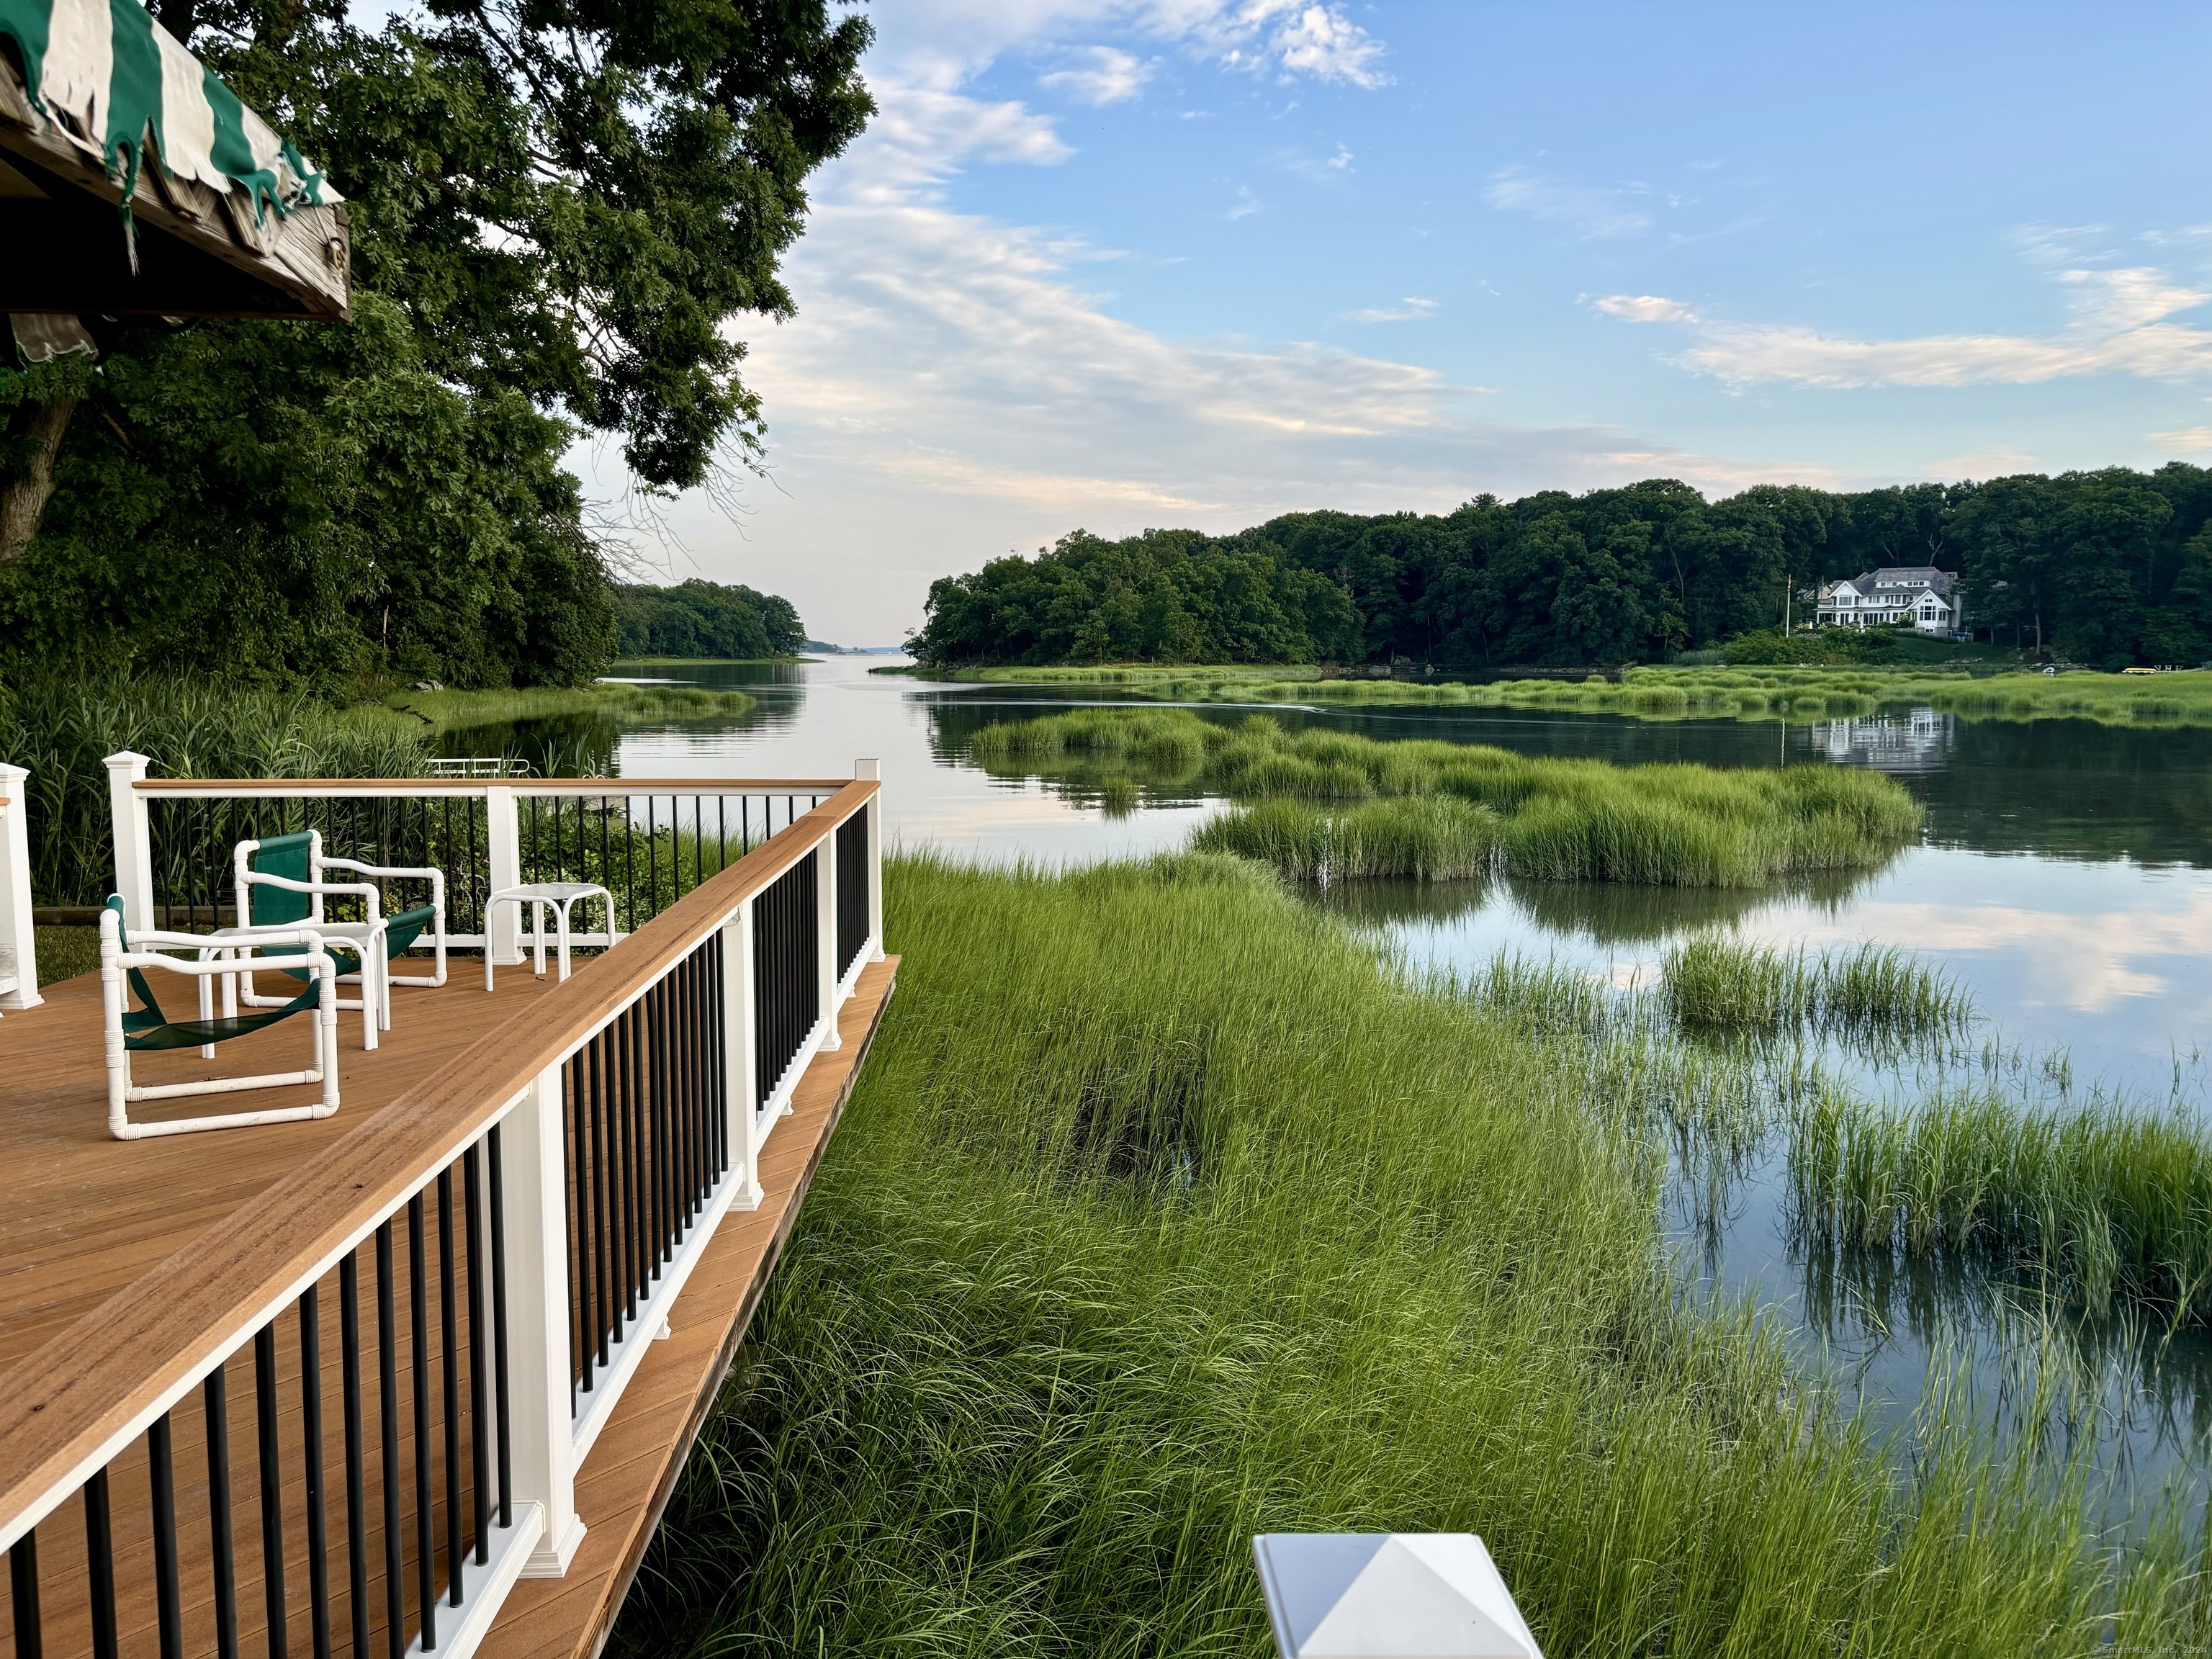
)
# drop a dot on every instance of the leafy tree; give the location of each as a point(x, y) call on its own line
point(560, 214)
point(2112, 566)
point(698, 618)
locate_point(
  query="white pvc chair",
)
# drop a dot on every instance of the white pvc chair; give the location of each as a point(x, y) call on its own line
point(124, 962)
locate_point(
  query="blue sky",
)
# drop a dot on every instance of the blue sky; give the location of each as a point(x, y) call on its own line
point(1126, 262)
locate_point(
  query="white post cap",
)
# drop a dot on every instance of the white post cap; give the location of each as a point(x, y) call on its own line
point(1388, 1595)
point(868, 768)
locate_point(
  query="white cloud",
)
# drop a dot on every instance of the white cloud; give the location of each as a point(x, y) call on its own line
point(1646, 308)
point(1597, 211)
point(1320, 41)
point(2118, 327)
point(1411, 309)
point(951, 388)
point(2190, 440)
point(1100, 75)
point(1246, 205)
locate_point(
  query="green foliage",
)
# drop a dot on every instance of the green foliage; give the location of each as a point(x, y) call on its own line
point(1701, 693)
point(1337, 806)
point(292, 503)
point(2108, 567)
point(1716, 983)
point(1163, 1214)
point(698, 618)
point(453, 711)
point(66, 724)
point(1826, 647)
point(556, 221)
point(2105, 1201)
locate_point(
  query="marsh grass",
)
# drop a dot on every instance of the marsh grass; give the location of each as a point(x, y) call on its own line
point(1699, 692)
point(1714, 983)
point(451, 711)
point(66, 724)
point(1165, 1213)
point(1330, 805)
point(2107, 1201)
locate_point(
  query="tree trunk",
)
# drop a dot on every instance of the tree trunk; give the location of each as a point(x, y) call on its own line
point(23, 498)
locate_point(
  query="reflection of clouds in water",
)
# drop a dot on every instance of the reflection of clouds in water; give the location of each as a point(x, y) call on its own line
point(2082, 961)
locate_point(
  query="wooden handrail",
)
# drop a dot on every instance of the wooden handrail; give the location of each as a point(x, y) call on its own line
point(77, 1400)
point(454, 785)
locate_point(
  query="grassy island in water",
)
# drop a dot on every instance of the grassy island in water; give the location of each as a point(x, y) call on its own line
point(1326, 805)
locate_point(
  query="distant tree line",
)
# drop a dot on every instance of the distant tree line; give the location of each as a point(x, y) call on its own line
point(2111, 567)
point(699, 618)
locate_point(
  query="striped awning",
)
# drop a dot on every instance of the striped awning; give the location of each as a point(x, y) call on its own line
point(111, 80)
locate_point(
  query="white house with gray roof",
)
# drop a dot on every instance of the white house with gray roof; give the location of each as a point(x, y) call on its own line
point(1920, 594)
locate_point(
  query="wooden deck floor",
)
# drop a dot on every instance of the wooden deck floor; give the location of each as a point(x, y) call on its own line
point(86, 1214)
point(90, 1213)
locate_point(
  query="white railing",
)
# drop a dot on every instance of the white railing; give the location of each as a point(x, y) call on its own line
point(19, 950)
point(672, 1057)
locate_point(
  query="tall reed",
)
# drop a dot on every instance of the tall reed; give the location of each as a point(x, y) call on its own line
point(66, 724)
point(1716, 982)
point(1164, 1214)
point(2109, 1202)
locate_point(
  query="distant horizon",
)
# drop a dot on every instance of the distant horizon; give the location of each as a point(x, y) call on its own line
point(1112, 264)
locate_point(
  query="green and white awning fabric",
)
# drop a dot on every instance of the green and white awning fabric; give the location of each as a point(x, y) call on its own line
point(110, 79)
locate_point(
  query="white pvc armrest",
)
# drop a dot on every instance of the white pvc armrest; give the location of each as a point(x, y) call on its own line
point(315, 962)
point(437, 877)
point(359, 889)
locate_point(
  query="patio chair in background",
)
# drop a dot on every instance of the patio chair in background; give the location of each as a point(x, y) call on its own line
point(124, 962)
point(282, 883)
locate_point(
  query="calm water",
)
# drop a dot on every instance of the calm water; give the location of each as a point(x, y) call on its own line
point(2065, 875)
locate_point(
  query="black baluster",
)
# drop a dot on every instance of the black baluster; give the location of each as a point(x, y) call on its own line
point(356, 1479)
point(596, 1172)
point(214, 1397)
point(387, 1425)
point(272, 1490)
point(99, 1564)
point(311, 1435)
point(418, 1315)
point(167, 1595)
point(449, 1329)
point(23, 1593)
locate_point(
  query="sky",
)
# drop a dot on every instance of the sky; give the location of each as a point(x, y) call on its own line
point(1114, 265)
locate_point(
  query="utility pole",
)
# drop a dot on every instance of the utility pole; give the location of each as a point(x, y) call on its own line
point(1785, 604)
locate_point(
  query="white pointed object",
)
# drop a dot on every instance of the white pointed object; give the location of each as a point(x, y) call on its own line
point(1388, 1595)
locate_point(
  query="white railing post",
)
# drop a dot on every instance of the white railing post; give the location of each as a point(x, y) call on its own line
point(15, 934)
point(134, 839)
point(874, 768)
point(504, 850)
point(738, 1038)
point(542, 1438)
point(825, 933)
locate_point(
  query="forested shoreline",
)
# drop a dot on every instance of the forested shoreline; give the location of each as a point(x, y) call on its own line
point(700, 618)
point(2110, 568)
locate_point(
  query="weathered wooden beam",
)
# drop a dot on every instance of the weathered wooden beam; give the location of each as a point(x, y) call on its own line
point(294, 264)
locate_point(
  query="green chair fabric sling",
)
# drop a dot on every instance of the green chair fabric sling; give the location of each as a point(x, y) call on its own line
point(149, 1027)
point(281, 882)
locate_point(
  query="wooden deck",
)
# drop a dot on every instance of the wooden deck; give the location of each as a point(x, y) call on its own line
point(86, 1214)
point(90, 1215)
